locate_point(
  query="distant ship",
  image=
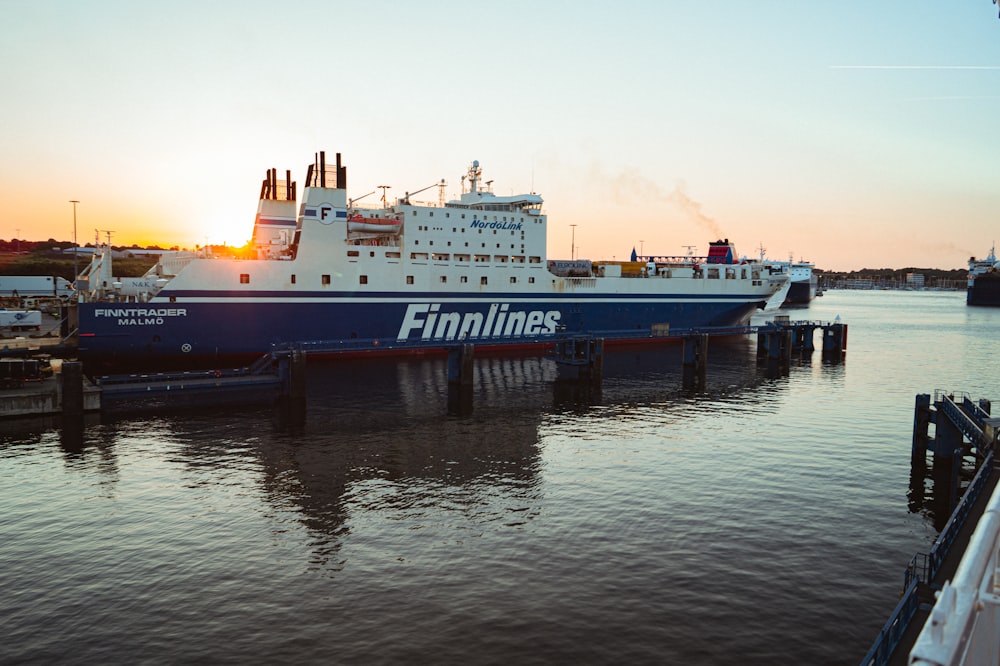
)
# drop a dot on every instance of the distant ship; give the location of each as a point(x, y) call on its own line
point(339, 277)
point(803, 281)
point(984, 280)
point(803, 285)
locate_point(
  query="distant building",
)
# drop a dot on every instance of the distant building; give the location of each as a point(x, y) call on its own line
point(915, 280)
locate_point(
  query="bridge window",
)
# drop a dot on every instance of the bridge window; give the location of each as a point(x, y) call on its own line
point(483, 280)
point(513, 280)
point(464, 279)
point(244, 278)
point(293, 278)
point(363, 279)
point(409, 279)
point(444, 278)
point(325, 280)
point(531, 280)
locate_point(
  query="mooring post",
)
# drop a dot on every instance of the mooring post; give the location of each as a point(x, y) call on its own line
point(597, 361)
point(779, 344)
point(460, 364)
point(292, 397)
point(762, 344)
point(834, 340)
point(802, 339)
point(297, 375)
point(695, 360)
point(921, 420)
point(808, 344)
point(72, 388)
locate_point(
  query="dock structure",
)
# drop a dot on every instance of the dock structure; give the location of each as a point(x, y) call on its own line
point(274, 375)
point(780, 339)
point(280, 373)
point(960, 612)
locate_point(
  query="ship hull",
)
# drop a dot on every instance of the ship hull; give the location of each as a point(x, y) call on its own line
point(206, 332)
point(801, 291)
point(984, 290)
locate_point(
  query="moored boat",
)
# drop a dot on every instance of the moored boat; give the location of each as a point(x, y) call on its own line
point(344, 278)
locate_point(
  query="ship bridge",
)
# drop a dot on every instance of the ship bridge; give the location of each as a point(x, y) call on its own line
point(477, 197)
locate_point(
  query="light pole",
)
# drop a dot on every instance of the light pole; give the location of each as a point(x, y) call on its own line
point(75, 253)
point(572, 243)
point(18, 250)
point(640, 248)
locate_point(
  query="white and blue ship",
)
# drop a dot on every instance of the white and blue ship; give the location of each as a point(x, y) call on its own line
point(333, 275)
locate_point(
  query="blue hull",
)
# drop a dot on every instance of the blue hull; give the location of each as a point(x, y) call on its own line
point(120, 336)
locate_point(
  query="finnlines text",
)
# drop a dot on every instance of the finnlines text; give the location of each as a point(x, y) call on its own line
point(426, 321)
point(140, 316)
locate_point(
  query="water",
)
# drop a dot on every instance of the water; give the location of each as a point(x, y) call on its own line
point(764, 520)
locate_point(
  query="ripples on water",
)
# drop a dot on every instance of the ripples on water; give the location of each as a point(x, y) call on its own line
point(764, 520)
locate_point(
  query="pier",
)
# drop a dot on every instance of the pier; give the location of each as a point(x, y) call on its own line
point(951, 584)
point(69, 393)
point(279, 374)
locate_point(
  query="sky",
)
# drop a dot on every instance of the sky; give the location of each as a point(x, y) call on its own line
point(854, 134)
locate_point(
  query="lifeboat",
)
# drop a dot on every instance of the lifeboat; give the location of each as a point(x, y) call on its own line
point(373, 225)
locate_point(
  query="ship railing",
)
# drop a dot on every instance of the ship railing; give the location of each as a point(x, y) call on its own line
point(969, 426)
point(673, 259)
point(965, 620)
point(975, 411)
point(924, 567)
point(894, 628)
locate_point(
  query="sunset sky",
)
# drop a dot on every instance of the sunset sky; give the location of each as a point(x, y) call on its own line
point(851, 134)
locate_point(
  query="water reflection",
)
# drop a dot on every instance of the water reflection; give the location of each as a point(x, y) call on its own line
point(380, 438)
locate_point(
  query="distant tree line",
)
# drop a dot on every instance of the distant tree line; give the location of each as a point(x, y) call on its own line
point(934, 278)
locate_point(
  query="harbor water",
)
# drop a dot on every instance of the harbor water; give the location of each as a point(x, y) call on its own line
point(765, 519)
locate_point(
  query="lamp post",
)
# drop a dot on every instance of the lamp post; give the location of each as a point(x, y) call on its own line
point(75, 247)
point(572, 243)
